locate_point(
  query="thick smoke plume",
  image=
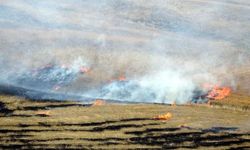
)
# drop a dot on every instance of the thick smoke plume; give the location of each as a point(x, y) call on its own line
point(166, 49)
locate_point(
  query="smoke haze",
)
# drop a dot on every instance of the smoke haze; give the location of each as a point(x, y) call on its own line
point(165, 48)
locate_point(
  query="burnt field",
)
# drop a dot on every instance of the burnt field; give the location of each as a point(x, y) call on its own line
point(30, 124)
point(64, 122)
point(125, 74)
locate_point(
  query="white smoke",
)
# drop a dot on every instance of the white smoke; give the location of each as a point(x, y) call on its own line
point(166, 49)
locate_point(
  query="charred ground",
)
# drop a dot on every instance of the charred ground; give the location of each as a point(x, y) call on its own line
point(54, 124)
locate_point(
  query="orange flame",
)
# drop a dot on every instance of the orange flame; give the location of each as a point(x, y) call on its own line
point(98, 102)
point(122, 78)
point(166, 116)
point(218, 93)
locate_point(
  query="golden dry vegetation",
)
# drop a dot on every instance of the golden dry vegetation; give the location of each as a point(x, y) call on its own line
point(30, 124)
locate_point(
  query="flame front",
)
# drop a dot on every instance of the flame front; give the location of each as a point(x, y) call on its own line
point(122, 78)
point(218, 93)
point(166, 116)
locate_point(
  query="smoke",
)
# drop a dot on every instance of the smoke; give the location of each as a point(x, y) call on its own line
point(166, 49)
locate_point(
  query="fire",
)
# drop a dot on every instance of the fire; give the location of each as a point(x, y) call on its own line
point(98, 102)
point(166, 116)
point(218, 93)
point(122, 78)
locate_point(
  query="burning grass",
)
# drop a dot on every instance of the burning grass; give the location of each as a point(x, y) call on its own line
point(73, 125)
point(219, 93)
point(166, 116)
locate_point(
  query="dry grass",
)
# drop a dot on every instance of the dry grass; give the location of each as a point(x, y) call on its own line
point(72, 125)
point(235, 101)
